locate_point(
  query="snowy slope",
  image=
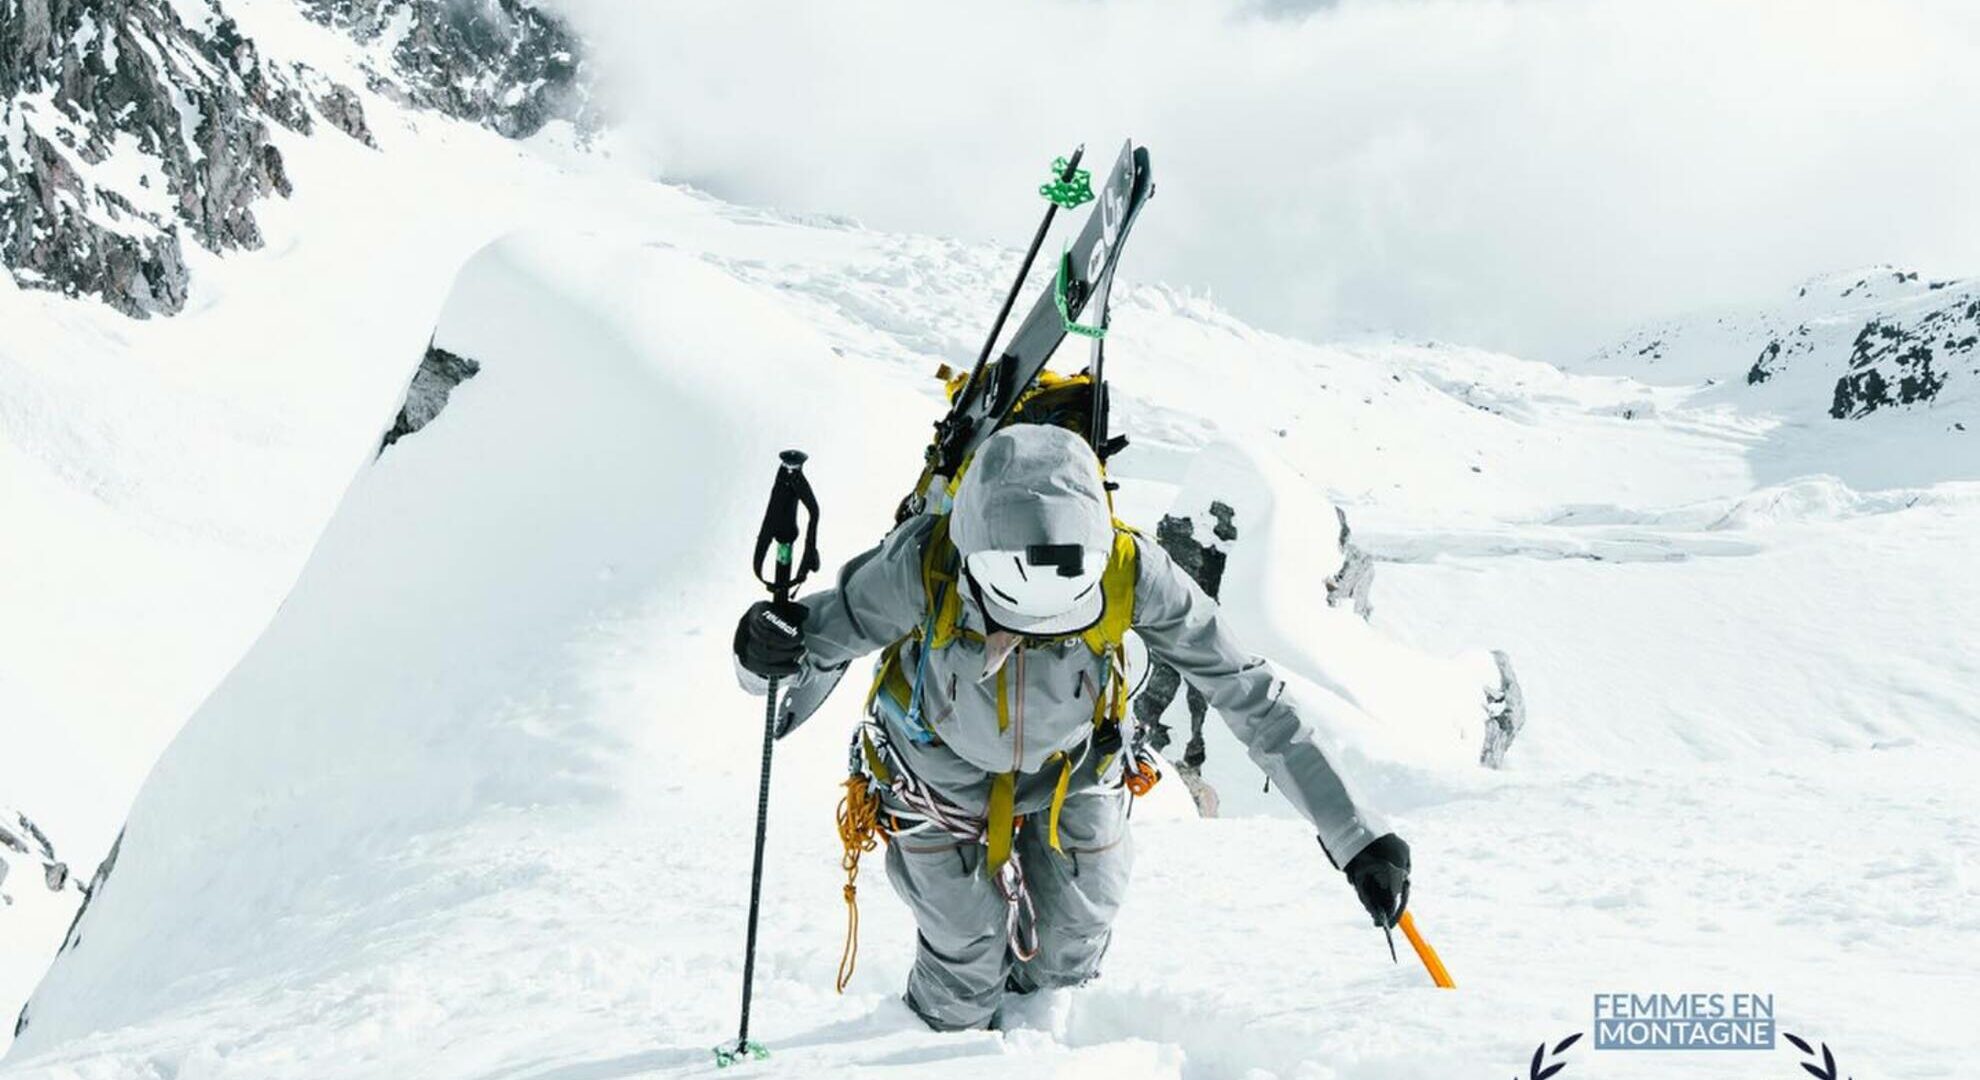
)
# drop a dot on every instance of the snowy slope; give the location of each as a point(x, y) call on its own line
point(495, 625)
point(167, 534)
point(503, 837)
point(476, 800)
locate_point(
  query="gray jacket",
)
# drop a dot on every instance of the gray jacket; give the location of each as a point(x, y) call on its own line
point(880, 598)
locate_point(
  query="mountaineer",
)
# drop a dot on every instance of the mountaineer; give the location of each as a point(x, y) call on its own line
point(998, 759)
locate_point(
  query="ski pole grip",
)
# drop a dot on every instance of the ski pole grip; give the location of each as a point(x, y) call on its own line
point(789, 491)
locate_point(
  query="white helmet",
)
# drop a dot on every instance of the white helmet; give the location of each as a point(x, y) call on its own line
point(1046, 589)
point(1031, 522)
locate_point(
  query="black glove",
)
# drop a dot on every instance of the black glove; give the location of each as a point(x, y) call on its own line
point(770, 639)
point(1380, 876)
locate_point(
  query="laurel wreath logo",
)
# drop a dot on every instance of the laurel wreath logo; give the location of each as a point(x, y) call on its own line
point(1541, 1070)
point(1827, 1070)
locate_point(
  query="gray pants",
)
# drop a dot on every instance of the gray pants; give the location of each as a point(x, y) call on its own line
point(962, 960)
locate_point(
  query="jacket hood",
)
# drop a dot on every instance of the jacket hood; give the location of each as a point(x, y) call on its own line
point(1031, 484)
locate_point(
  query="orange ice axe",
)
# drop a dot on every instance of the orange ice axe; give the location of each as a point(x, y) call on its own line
point(1425, 953)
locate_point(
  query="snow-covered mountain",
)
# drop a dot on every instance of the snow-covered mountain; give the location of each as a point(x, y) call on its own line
point(131, 126)
point(1879, 337)
point(1885, 348)
point(419, 546)
point(509, 65)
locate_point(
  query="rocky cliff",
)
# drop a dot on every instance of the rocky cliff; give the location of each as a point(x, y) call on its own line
point(504, 64)
point(125, 131)
point(128, 127)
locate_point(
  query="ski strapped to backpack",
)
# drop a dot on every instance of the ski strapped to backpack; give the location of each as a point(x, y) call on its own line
point(991, 390)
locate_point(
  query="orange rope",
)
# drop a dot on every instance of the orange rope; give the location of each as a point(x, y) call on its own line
point(860, 831)
point(1425, 953)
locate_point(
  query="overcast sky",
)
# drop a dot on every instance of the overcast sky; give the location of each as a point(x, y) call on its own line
point(1534, 175)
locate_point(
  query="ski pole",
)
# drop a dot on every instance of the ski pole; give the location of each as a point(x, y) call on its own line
point(1065, 176)
point(780, 526)
point(1425, 953)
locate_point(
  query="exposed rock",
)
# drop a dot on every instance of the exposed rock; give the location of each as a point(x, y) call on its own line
point(505, 64)
point(73, 937)
point(1762, 369)
point(1201, 553)
point(439, 372)
point(96, 93)
point(1505, 713)
point(21, 837)
point(23, 845)
point(1847, 345)
point(1353, 584)
point(1200, 790)
point(124, 131)
point(1905, 361)
point(336, 103)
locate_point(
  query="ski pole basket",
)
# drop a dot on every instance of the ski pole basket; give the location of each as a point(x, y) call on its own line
point(1069, 187)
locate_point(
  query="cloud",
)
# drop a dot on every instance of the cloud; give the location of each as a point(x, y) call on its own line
point(1530, 175)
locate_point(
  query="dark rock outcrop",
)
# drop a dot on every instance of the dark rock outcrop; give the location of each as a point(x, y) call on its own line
point(1903, 340)
point(1762, 369)
point(19, 835)
point(1905, 361)
point(439, 372)
point(339, 105)
point(1202, 557)
point(123, 130)
point(505, 64)
point(1874, 341)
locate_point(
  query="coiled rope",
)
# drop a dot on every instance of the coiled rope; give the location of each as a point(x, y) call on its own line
point(860, 831)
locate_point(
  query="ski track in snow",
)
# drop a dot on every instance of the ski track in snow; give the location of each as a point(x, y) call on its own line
point(519, 852)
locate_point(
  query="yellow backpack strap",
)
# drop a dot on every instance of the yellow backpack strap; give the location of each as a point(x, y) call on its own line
point(939, 585)
point(1117, 586)
point(1106, 637)
point(1117, 707)
point(1059, 799)
point(881, 671)
point(1000, 821)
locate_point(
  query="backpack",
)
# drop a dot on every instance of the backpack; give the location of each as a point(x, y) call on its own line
point(1064, 401)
